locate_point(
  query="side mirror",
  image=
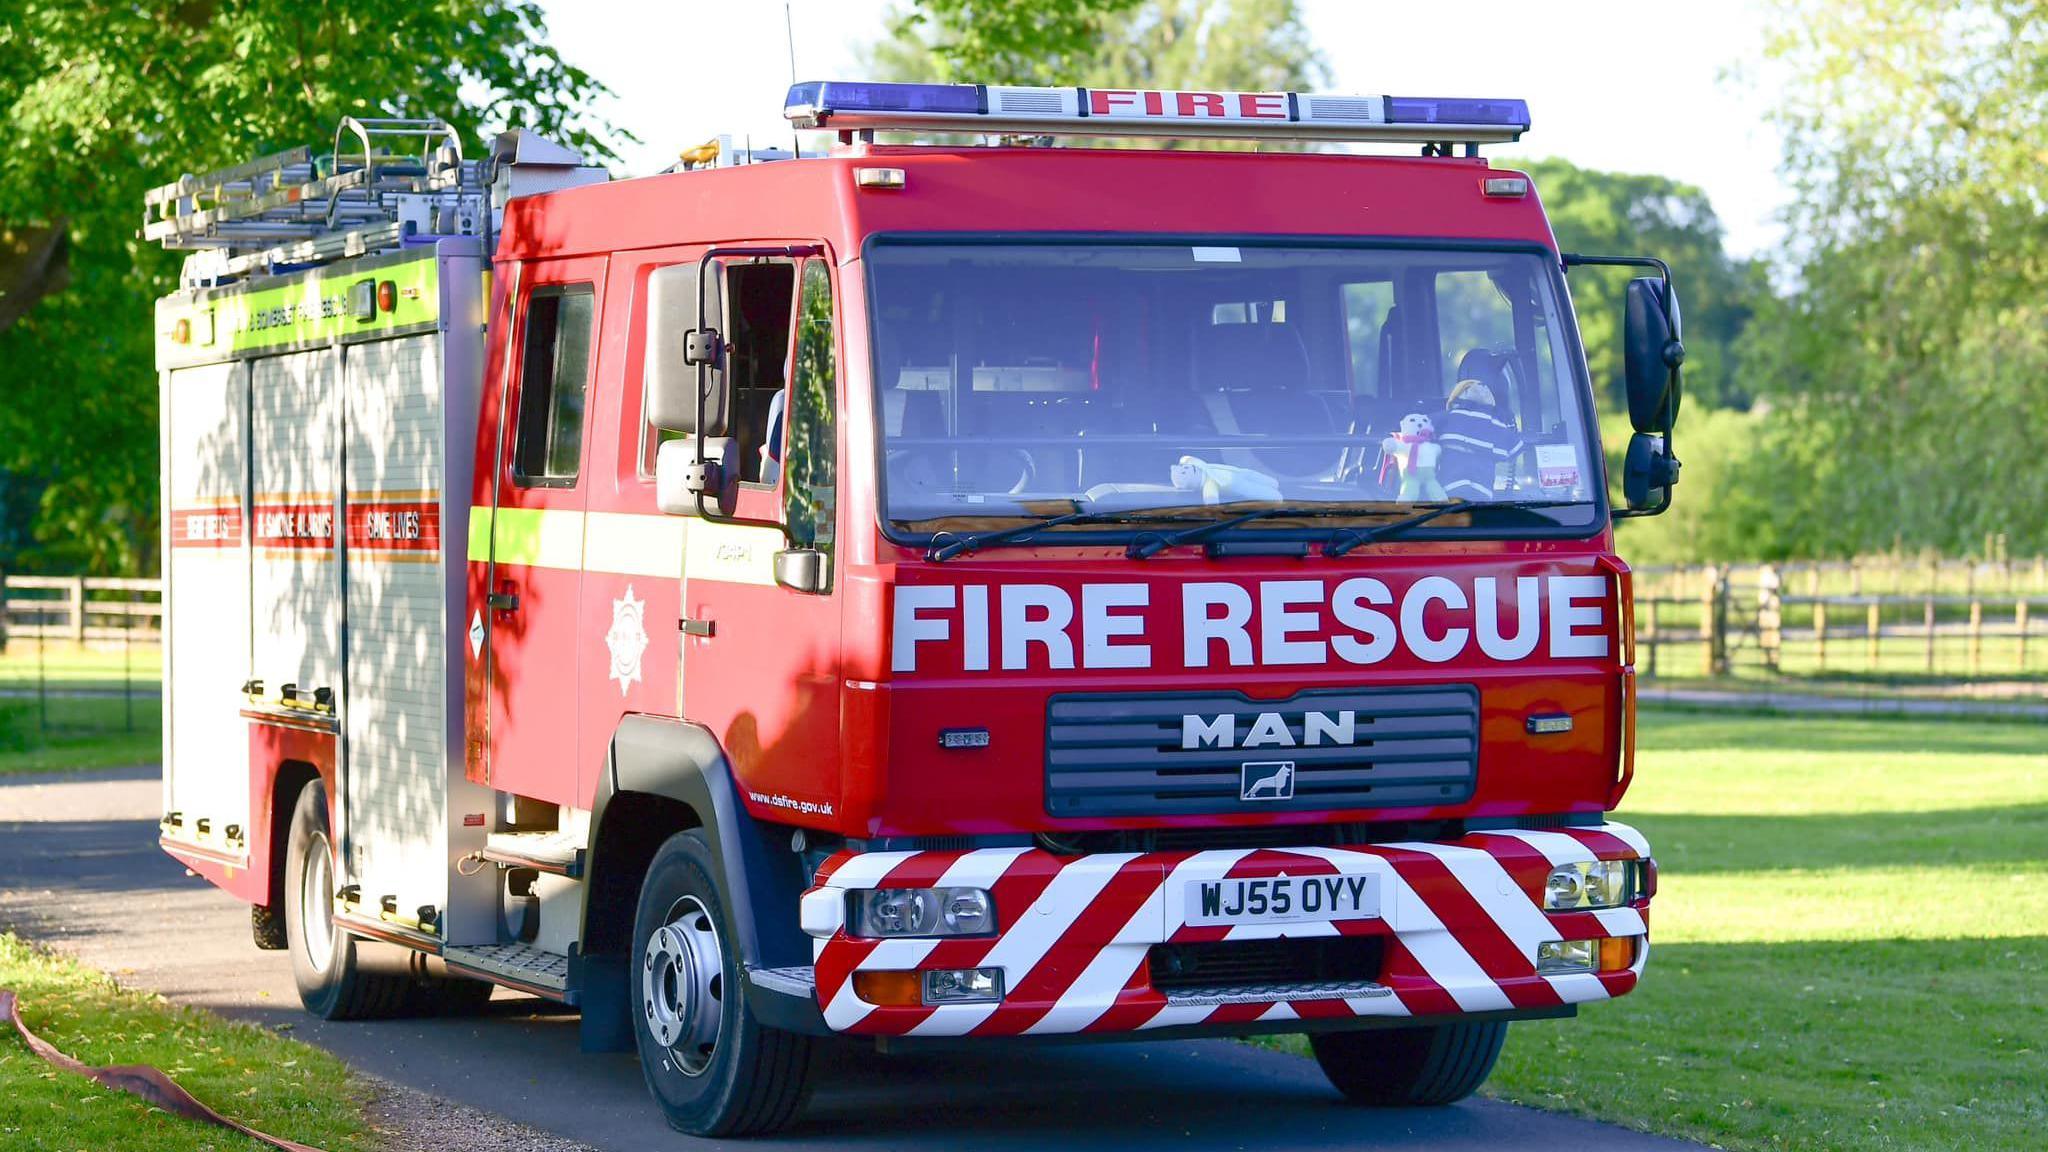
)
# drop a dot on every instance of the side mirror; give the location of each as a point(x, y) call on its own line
point(1647, 473)
point(802, 570)
point(677, 347)
point(1652, 353)
point(679, 479)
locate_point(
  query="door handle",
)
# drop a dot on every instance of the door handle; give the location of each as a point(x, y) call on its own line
point(504, 601)
point(695, 627)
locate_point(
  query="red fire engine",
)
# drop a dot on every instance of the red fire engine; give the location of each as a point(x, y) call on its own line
point(983, 591)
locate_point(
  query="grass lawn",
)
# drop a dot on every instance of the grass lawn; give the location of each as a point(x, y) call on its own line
point(60, 663)
point(264, 1080)
point(78, 732)
point(1850, 941)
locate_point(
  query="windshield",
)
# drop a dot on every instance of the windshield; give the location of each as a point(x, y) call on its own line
point(1026, 380)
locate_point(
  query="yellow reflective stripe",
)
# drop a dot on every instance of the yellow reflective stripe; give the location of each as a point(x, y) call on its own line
point(633, 544)
point(734, 553)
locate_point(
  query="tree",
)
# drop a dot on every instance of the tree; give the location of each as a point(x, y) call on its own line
point(1916, 350)
point(1629, 214)
point(1229, 45)
point(104, 100)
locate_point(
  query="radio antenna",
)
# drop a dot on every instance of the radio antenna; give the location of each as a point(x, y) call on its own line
point(796, 144)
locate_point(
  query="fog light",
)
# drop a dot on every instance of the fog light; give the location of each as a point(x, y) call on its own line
point(1554, 957)
point(963, 986)
point(1594, 884)
point(885, 912)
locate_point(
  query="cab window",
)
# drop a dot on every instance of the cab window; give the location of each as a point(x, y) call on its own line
point(807, 455)
point(554, 371)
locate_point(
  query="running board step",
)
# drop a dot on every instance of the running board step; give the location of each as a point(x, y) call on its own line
point(520, 966)
point(560, 853)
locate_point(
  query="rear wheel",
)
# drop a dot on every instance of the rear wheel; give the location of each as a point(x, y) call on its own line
point(1410, 1067)
point(713, 1068)
point(333, 981)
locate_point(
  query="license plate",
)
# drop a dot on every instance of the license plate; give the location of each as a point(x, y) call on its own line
point(1282, 899)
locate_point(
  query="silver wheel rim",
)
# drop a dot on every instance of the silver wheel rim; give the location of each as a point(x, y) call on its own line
point(316, 904)
point(682, 985)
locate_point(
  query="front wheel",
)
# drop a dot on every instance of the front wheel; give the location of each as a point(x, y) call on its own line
point(1410, 1067)
point(713, 1068)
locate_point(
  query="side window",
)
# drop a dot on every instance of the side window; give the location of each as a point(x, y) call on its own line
point(761, 296)
point(1472, 315)
point(810, 494)
point(1367, 308)
point(553, 374)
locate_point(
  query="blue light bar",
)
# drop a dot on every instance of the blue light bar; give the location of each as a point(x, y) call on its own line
point(879, 96)
point(1015, 110)
point(1415, 110)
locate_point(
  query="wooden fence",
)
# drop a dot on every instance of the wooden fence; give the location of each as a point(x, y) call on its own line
point(81, 609)
point(1886, 618)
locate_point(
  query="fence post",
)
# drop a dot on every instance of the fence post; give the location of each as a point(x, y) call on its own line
point(1976, 635)
point(1929, 614)
point(1713, 622)
point(1770, 616)
point(1820, 633)
point(3, 612)
point(1653, 637)
point(76, 594)
point(1872, 624)
point(2019, 624)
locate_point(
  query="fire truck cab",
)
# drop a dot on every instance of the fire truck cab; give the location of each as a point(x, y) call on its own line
point(966, 591)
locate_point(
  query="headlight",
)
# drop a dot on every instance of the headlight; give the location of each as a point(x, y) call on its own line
point(1595, 884)
point(880, 912)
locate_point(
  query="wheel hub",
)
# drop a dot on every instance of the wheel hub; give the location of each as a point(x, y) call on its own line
point(682, 984)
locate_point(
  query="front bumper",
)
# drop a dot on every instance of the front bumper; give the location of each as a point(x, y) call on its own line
point(1459, 925)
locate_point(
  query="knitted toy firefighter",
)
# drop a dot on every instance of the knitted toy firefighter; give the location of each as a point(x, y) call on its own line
point(1412, 449)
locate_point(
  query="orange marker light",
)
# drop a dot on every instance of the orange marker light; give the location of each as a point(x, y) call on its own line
point(890, 989)
point(1617, 953)
point(181, 332)
point(387, 296)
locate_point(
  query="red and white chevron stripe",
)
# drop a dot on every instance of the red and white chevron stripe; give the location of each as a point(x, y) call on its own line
point(1461, 921)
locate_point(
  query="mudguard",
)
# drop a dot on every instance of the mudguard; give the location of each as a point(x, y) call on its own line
point(683, 764)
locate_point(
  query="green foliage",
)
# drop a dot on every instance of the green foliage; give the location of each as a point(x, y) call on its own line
point(1629, 214)
point(103, 101)
point(1242, 45)
point(1916, 350)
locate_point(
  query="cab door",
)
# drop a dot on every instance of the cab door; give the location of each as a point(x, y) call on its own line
point(525, 606)
point(761, 661)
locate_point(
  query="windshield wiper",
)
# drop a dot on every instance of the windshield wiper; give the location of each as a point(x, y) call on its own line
point(975, 541)
point(1341, 542)
point(1153, 543)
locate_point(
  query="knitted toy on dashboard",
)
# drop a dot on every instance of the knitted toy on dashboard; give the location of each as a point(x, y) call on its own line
point(1412, 449)
point(1221, 483)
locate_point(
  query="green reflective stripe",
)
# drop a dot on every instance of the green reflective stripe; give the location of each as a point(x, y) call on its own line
point(535, 537)
point(631, 544)
point(316, 307)
point(620, 543)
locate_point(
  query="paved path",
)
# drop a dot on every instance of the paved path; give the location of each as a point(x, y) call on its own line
point(79, 869)
point(1813, 704)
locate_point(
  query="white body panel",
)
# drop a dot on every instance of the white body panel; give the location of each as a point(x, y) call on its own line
point(348, 467)
point(206, 593)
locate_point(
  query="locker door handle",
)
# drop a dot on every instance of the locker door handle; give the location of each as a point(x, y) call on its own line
point(504, 601)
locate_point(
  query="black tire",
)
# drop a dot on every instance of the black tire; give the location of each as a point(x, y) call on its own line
point(336, 984)
point(266, 925)
point(749, 1079)
point(1410, 1067)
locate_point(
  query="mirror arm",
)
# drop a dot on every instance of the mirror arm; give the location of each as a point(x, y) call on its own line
point(705, 266)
